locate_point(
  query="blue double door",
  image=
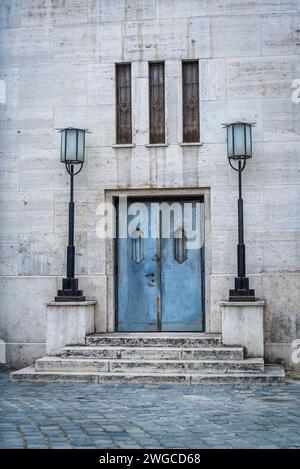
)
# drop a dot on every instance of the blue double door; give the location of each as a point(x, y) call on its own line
point(160, 267)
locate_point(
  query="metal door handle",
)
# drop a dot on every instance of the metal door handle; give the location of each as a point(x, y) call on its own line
point(151, 280)
point(156, 258)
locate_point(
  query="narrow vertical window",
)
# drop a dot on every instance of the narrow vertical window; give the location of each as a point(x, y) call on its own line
point(157, 102)
point(190, 101)
point(123, 101)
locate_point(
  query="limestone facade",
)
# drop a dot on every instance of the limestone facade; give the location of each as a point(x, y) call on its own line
point(58, 63)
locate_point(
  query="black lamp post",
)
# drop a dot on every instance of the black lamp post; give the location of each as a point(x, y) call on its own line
point(239, 149)
point(72, 155)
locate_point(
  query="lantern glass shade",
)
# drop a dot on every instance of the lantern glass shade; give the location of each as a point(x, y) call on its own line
point(80, 146)
point(239, 140)
point(72, 145)
point(248, 140)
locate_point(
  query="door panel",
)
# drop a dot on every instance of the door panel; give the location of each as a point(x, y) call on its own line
point(159, 279)
point(181, 294)
point(137, 285)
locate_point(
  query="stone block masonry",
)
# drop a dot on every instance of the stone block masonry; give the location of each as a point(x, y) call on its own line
point(58, 63)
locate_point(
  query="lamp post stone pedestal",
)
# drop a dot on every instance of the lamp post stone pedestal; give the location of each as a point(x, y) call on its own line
point(243, 325)
point(68, 323)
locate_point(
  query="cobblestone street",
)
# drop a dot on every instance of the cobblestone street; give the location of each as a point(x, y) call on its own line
point(107, 416)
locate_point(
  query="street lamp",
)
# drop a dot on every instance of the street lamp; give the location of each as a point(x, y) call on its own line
point(239, 149)
point(72, 154)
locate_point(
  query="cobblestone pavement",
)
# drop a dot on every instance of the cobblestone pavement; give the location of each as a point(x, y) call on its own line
point(135, 416)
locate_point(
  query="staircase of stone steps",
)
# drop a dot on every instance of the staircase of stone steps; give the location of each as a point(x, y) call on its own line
point(152, 358)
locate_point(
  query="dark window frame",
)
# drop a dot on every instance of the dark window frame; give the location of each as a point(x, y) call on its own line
point(157, 122)
point(190, 102)
point(123, 135)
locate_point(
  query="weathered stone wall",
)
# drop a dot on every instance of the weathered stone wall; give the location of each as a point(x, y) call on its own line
point(57, 59)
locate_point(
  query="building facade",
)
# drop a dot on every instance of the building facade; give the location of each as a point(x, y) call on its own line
point(154, 81)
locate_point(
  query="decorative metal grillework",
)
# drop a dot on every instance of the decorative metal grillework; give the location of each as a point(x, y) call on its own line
point(190, 98)
point(123, 99)
point(157, 102)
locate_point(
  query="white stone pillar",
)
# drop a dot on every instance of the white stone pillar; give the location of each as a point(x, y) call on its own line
point(67, 323)
point(243, 325)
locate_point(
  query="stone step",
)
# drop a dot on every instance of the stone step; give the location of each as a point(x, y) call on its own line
point(155, 339)
point(273, 374)
point(156, 353)
point(54, 364)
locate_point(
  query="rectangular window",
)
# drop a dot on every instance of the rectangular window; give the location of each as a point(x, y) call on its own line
point(157, 102)
point(190, 101)
point(123, 102)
